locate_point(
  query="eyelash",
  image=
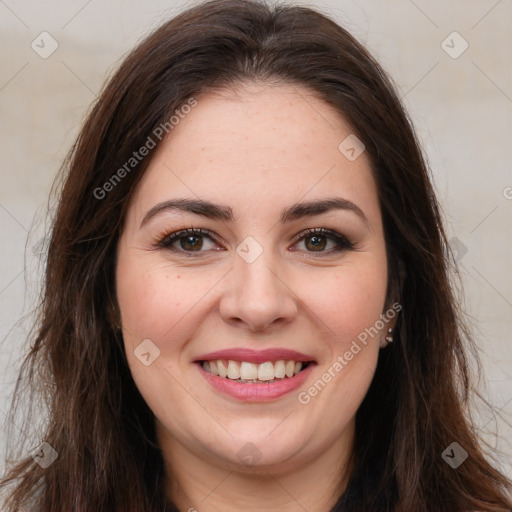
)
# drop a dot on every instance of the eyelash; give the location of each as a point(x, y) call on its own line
point(342, 243)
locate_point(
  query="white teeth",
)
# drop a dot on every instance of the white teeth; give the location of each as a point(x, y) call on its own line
point(266, 371)
point(223, 371)
point(280, 369)
point(233, 370)
point(250, 372)
point(213, 368)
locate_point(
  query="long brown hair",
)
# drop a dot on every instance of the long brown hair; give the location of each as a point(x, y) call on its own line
point(98, 423)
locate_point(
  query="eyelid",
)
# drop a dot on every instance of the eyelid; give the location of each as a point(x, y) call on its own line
point(329, 233)
point(176, 235)
point(342, 243)
point(165, 241)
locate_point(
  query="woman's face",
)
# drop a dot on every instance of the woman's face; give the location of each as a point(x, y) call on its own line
point(250, 286)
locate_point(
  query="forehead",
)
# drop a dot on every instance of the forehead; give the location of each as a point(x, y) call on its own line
point(257, 145)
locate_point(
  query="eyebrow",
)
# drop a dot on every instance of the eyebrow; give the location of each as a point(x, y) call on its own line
point(222, 212)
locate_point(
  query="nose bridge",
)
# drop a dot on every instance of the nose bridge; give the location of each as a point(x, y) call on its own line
point(258, 278)
point(256, 294)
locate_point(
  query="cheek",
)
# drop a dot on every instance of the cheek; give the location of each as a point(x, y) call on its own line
point(356, 296)
point(350, 298)
point(152, 299)
point(156, 304)
point(162, 304)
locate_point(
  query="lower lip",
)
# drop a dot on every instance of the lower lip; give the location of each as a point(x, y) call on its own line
point(256, 392)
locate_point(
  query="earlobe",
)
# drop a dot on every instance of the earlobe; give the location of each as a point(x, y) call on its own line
point(388, 338)
point(389, 335)
point(391, 318)
point(398, 278)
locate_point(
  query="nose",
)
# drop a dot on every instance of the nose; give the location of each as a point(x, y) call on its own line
point(256, 296)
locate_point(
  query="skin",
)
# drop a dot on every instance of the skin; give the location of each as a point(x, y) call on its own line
point(257, 149)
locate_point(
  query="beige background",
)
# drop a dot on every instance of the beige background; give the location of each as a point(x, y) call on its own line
point(462, 108)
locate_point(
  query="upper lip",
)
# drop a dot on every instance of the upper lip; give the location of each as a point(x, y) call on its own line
point(255, 356)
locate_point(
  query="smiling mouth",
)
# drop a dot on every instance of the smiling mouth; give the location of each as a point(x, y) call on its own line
point(245, 372)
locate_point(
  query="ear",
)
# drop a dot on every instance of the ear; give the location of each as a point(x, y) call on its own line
point(398, 275)
point(386, 336)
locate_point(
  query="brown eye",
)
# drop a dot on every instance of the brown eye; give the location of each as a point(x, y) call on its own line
point(318, 239)
point(188, 240)
point(316, 242)
point(192, 242)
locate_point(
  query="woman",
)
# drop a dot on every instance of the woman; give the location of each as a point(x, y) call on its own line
point(247, 303)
